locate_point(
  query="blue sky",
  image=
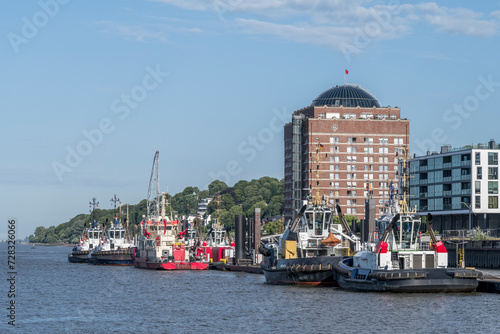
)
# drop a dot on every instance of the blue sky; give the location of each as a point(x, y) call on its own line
point(91, 89)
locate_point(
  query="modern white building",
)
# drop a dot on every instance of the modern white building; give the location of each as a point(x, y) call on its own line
point(202, 208)
point(457, 185)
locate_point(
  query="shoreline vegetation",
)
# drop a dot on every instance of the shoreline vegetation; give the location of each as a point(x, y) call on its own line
point(266, 193)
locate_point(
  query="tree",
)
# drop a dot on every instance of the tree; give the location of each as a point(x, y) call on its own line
point(273, 227)
point(216, 187)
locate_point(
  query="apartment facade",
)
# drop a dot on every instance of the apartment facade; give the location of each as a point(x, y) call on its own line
point(360, 142)
point(458, 186)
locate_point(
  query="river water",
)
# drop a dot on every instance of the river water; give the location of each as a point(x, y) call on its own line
point(55, 296)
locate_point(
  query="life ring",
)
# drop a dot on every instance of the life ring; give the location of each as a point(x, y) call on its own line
point(420, 234)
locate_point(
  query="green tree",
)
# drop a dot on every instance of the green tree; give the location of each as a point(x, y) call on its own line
point(216, 187)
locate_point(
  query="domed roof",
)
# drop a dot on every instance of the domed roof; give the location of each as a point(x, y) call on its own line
point(347, 95)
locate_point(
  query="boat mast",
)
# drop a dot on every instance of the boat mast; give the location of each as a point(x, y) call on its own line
point(317, 198)
point(153, 204)
point(92, 205)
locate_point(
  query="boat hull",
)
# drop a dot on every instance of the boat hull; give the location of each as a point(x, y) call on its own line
point(313, 271)
point(78, 256)
point(407, 280)
point(120, 257)
point(145, 263)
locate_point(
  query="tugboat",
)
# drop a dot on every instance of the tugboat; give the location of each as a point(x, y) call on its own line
point(115, 250)
point(162, 243)
point(400, 262)
point(89, 239)
point(309, 247)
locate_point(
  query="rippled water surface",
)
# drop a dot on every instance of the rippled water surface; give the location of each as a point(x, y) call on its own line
point(55, 296)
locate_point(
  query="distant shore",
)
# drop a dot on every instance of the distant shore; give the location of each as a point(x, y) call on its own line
point(43, 244)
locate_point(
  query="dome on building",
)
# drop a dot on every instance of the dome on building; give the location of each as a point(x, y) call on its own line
point(347, 95)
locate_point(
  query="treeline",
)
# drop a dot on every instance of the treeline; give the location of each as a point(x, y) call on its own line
point(266, 193)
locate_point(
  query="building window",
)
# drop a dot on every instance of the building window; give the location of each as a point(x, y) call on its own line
point(492, 187)
point(478, 187)
point(478, 158)
point(334, 140)
point(479, 173)
point(336, 176)
point(398, 151)
point(353, 211)
point(398, 141)
point(393, 116)
point(369, 140)
point(368, 150)
point(383, 141)
point(478, 202)
point(492, 202)
point(337, 185)
point(492, 158)
point(492, 173)
point(331, 176)
point(351, 140)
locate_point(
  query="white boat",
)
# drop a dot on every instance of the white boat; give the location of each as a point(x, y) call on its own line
point(90, 239)
point(400, 261)
point(115, 248)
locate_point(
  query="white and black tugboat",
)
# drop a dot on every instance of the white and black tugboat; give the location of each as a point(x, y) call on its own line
point(400, 261)
point(309, 247)
point(115, 248)
point(90, 238)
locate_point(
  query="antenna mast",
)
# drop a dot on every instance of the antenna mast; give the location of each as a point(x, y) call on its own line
point(153, 205)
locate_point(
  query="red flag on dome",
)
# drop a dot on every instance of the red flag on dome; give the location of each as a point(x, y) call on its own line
point(346, 71)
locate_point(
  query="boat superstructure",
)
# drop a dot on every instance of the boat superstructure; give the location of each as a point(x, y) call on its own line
point(310, 245)
point(400, 261)
point(115, 248)
point(162, 242)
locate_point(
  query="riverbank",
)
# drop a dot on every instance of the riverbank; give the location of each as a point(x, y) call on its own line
point(44, 244)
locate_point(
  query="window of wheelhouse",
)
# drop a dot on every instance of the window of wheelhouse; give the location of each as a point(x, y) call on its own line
point(318, 223)
point(309, 216)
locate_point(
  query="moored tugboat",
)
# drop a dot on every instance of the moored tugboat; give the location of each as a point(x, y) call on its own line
point(400, 262)
point(90, 238)
point(115, 250)
point(310, 246)
point(162, 242)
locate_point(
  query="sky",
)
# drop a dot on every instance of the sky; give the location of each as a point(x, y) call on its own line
point(91, 89)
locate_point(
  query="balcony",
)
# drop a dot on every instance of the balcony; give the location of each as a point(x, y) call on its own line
point(424, 181)
point(446, 192)
point(423, 168)
point(447, 179)
point(423, 195)
point(465, 163)
point(465, 192)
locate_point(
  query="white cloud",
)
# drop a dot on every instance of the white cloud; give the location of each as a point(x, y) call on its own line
point(459, 21)
point(331, 22)
point(137, 33)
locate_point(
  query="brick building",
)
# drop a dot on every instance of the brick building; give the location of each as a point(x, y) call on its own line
point(358, 159)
